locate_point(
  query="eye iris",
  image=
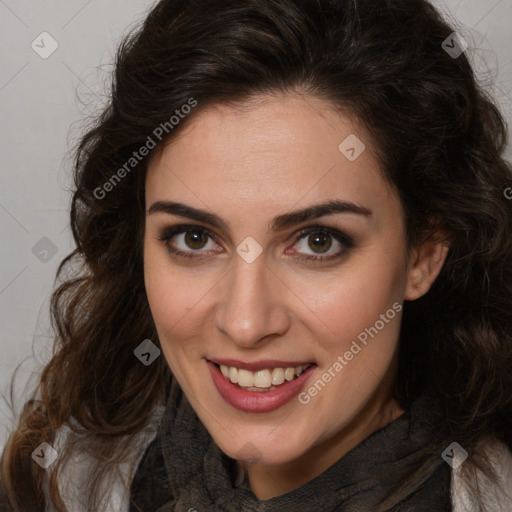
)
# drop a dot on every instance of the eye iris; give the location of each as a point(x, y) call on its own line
point(321, 241)
point(195, 239)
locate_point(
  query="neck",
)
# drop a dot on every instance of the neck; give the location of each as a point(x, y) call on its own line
point(268, 481)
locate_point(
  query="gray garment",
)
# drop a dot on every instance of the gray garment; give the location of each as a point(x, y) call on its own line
point(183, 470)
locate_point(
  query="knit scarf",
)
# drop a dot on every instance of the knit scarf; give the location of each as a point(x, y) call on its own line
point(183, 470)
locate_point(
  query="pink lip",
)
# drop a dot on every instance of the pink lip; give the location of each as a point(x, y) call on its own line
point(256, 401)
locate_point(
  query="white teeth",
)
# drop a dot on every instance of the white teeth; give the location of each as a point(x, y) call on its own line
point(233, 374)
point(289, 373)
point(262, 379)
point(277, 376)
point(245, 378)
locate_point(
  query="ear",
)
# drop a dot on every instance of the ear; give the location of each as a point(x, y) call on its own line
point(424, 266)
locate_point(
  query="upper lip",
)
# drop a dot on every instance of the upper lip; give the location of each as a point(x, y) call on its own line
point(258, 365)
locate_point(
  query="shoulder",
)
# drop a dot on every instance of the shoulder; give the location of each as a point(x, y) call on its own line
point(497, 498)
point(78, 469)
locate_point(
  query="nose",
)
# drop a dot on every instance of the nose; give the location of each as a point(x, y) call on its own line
point(252, 310)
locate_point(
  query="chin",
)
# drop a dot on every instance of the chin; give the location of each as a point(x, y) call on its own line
point(261, 448)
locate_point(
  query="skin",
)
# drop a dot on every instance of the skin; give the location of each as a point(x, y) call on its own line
point(248, 163)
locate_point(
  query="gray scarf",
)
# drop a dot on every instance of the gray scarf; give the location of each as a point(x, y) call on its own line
point(183, 470)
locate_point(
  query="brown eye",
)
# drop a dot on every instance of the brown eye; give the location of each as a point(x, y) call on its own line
point(196, 239)
point(189, 242)
point(320, 242)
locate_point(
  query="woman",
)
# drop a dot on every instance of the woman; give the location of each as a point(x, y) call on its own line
point(293, 275)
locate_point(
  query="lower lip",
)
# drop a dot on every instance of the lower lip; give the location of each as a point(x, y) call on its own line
point(258, 401)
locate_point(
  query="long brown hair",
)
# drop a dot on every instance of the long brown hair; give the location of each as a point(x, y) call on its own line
point(440, 140)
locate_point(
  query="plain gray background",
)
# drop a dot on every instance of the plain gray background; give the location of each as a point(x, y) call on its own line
point(44, 107)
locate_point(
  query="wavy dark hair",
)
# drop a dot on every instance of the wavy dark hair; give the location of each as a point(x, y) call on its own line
point(439, 138)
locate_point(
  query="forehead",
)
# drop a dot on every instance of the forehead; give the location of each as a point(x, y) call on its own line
point(271, 152)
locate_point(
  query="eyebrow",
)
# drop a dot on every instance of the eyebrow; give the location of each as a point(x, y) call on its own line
point(279, 223)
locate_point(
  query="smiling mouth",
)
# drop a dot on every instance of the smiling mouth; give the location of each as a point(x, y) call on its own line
point(262, 380)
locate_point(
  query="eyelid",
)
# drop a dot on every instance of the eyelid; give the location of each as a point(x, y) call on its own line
point(343, 239)
point(335, 233)
point(170, 232)
point(297, 235)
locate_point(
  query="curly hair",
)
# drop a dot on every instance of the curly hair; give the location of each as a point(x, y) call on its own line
point(440, 140)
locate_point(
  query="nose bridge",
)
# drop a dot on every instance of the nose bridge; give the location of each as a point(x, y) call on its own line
point(250, 310)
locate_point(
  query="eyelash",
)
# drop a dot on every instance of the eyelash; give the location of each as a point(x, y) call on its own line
point(340, 237)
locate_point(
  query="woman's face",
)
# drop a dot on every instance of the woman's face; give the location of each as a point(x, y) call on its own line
point(250, 292)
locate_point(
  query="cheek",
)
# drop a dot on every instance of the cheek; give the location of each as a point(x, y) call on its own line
point(162, 289)
point(359, 325)
point(177, 298)
point(343, 304)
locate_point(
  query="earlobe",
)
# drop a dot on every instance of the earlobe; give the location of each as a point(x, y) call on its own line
point(425, 264)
